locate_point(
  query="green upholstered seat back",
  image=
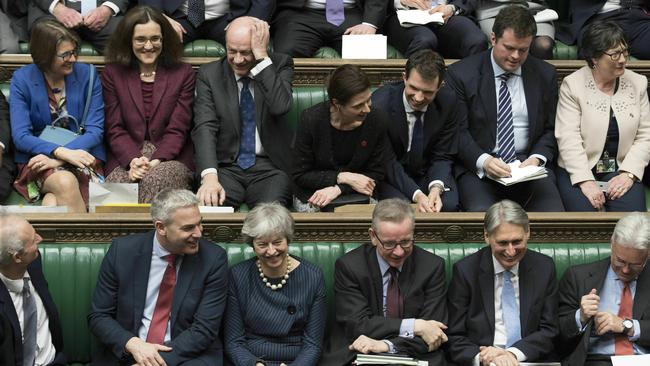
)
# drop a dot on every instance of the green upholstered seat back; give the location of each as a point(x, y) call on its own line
point(303, 98)
point(71, 270)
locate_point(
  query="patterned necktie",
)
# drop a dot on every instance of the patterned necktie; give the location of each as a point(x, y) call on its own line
point(334, 12)
point(417, 144)
point(196, 12)
point(246, 158)
point(29, 325)
point(505, 126)
point(510, 310)
point(622, 344)
point(158, 326)
point(393, 296)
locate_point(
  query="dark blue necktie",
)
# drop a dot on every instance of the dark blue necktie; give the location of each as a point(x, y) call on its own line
point(505, 124)
point(196, 12)
point(246, 158)
point(509, 310)
point(417, 142)
point(29, 325)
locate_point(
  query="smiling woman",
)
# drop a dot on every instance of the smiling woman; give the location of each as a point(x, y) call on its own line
point(148, 93)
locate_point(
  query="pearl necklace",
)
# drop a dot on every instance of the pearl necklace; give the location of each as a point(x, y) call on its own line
point(284, 278)
point(147, 74)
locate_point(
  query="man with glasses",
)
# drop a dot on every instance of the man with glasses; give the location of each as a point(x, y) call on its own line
point(390, 294)
point(503, 298)
point(605, 306)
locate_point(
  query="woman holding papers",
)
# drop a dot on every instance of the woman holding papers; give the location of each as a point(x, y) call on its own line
point(603, 127)
point(276, 302)
point(148, 95)
point(340, 146)
point(50, 100)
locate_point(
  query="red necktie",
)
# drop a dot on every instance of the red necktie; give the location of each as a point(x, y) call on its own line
point(163, 308)
point(393, 300)
point(623, 346)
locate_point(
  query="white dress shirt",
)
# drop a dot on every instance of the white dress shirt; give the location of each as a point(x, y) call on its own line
point(45, 351)
point(109, 4)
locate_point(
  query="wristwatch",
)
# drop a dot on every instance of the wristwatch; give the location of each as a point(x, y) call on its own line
point(628, 325)
point(630, 175)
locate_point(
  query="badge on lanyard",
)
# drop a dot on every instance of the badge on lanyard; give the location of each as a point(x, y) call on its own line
point(605, 164)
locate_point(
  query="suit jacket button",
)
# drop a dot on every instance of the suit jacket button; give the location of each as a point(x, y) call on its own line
point(291, 309)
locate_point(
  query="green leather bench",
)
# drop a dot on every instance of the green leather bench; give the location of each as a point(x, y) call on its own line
point(71, 270)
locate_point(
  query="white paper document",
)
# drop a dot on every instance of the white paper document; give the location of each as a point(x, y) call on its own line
point(385, 359)
point(546, 15)
point(365, 46)
point(216, 209)
point(111, 193)
point(636, 360)
point(410, 18)
point(524, 174)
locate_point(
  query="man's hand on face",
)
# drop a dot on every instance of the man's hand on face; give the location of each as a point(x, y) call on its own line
point(260, 36)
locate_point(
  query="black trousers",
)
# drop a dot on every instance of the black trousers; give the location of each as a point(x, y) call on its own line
point(262, 182)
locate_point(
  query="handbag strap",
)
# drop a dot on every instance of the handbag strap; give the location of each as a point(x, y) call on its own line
point(91, 80)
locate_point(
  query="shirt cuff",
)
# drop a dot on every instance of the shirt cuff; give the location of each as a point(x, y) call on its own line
point(581, 328)
point(415, 194)
point(391, 346)
point(480, 162)
point(542, 158)
point(52, 5)
point(208, 171)
point(477, 360)
point(406, 328)
point(521, 357)
point(112, 6)
point(637, 331)
point(266, 61)
point(398, 5)
point(2, 145)
point(438, 181)
point(372, 25)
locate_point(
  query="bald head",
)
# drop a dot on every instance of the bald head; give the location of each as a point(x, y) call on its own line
point(247, 39)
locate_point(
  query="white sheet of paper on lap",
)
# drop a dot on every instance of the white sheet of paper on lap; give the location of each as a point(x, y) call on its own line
point(413, 17)
point(636, 360)
point(216, 209)
point(88, 6)
point(524, 174)
point(365, 46)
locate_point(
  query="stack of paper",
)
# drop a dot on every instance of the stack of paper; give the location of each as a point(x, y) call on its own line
point(518, 175)
point(410, 18)
point(386, 359)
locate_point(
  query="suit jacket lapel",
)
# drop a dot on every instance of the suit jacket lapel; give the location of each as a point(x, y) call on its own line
point(183, 281)
point(159, 89)
point(7, 307)
point(527, 288)
point(531, 91)
point(40, 96)
point(376, 276)
point(73, 96)
point(399, 117)
point(486, 282)
point(232, 93)
point(488, 96)
point(142, 266)
point(135, 90)
point(642, 295)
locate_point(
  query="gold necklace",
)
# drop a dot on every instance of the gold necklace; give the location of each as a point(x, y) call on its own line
point(284, 278)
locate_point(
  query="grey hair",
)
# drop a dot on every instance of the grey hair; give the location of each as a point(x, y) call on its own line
point(267, 220)
point(633, 231)
point(505, 211)
point(392, 210)
point(167, 201)
point(10, 241)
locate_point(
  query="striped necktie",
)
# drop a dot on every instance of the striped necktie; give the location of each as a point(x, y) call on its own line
point(505, 126)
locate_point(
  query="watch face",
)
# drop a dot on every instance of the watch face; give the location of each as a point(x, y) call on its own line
point(628, 324)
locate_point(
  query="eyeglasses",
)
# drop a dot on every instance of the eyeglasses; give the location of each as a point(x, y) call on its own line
point(141, 41)
point(390, 245)
point(66, 56)
point(636, 267)
point(615, 56)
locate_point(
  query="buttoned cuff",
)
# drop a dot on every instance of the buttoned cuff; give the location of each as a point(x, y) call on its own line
point(521, 357)
point(391, 346)
point(112, 6)
point(266, 61)
point(480, 162)
point(439, 182)
point(406, 328)
point(542, 158)
point(208, 171)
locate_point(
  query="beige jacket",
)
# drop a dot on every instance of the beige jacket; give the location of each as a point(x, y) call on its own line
point(582, 121)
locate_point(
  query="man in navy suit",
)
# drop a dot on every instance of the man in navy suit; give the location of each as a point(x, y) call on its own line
point(604, 306)
point(160, 295)
point(26, 323)
point(509, 99)
point(502, 299)
point(423, 135)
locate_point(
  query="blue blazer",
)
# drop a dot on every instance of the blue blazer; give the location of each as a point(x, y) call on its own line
point(12, 351)
point(197, 307)
point(30, 112)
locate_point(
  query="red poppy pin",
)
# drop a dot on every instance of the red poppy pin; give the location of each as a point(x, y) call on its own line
point(364, 143)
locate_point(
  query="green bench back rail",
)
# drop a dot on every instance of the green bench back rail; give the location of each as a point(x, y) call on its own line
point(71, 270)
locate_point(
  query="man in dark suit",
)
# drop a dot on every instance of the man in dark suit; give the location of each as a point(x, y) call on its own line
point(458, 37)
point(423, 133)
point(509, 99)
point(503, 298)
point(13, 25)
point(631, 15)
point(26, 320)
point(604, 306)
point(7, 166)
point(195, 19)
point(302, 27)
point(241, 140)
point(95, 26)
point(390, 294)
point(147, 310)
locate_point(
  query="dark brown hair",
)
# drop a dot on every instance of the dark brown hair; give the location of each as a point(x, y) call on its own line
point(428, 64)
point(599, 37)
point(120, 49)
point(345, 82)
point(46, 37)
point(516, 17)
